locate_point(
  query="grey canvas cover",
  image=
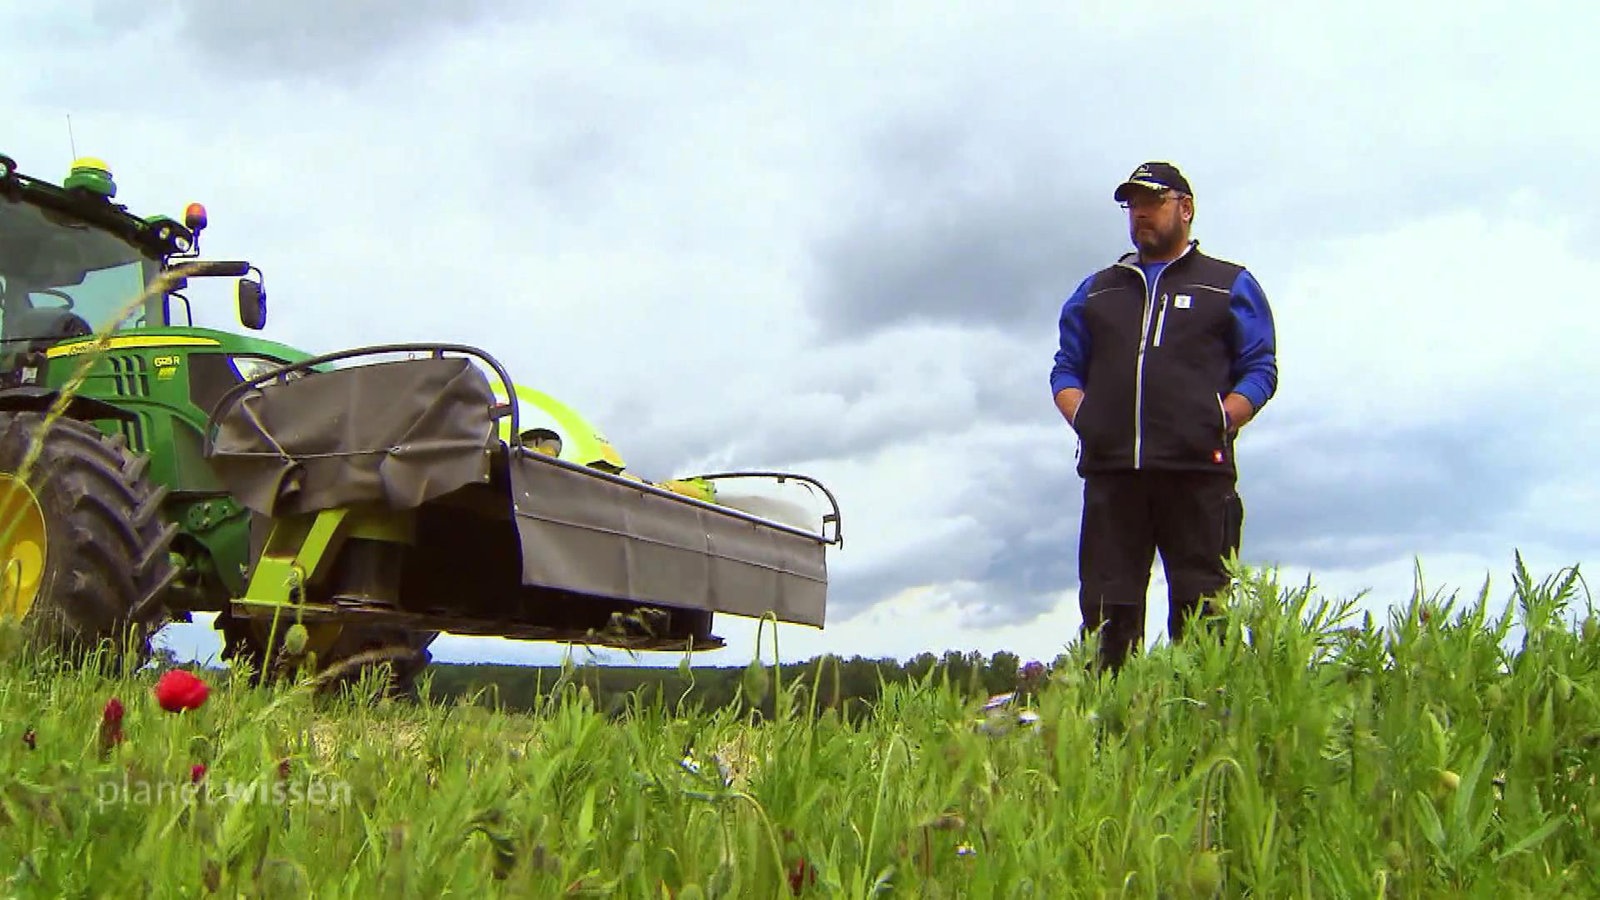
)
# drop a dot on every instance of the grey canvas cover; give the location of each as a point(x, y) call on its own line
point(399, 434)
point(584, 530)
point(396, 434)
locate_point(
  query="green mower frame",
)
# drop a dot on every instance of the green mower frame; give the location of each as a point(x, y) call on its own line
point(377, 495)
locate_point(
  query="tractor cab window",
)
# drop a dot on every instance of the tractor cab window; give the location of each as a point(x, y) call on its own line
point(52, 265)
point(103, 297)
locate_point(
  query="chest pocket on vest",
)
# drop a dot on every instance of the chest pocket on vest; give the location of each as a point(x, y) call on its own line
point(1190, 314)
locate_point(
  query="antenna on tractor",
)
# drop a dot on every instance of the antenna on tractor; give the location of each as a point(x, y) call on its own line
point(72, 143)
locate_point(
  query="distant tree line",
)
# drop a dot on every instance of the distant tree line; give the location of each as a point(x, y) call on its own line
point(848, 686)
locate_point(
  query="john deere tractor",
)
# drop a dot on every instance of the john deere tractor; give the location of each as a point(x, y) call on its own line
point(375, 496)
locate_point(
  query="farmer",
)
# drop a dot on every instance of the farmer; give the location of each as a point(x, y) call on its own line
point(1164, 356)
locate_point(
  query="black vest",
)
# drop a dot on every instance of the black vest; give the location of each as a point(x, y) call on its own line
point(1160, 362)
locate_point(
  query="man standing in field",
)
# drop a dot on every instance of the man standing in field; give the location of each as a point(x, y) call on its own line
point(1164, 356)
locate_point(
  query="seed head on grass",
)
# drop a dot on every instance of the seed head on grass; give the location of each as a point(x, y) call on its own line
point(756, 681)
point(294, 640)
point(1204, 873)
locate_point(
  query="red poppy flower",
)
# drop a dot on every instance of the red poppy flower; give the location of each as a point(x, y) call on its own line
point(801, 875)
point(179, 690)
point(110, 726)
point(197, 772)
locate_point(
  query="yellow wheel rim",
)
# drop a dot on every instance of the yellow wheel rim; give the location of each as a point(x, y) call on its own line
point(23, 539)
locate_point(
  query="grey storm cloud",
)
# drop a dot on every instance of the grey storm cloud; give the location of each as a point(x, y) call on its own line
point(858, 400)
point(1323, 498)
point(288, 38)
point(1340, 497)
point(1035, 516)
point(1337, 497)
point(955, 230)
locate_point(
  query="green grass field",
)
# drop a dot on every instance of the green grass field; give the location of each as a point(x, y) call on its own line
point(1308, 753)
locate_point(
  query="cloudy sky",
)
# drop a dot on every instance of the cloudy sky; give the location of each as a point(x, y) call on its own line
point(836, 239)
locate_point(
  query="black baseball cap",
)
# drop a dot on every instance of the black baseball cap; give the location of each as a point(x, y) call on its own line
point(1154, 176)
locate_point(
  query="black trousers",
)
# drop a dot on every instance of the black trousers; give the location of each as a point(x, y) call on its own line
point(1193, 519)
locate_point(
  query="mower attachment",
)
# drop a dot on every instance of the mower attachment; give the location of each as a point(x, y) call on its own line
point(586, 530)
point(388, 492)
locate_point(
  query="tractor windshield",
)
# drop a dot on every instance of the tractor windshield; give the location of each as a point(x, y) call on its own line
point(53, 262)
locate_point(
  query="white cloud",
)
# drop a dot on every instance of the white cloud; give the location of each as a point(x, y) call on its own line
point(626, 207)
point(1477, 309)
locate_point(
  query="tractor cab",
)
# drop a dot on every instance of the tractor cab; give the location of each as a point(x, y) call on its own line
point(73, 263)
point(63, 277)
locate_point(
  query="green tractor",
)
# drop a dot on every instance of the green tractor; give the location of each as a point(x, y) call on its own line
point(377, 496)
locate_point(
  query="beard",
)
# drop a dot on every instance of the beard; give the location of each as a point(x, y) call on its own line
point(1156, 241)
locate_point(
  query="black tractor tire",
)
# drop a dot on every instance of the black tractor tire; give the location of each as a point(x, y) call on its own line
point(107, 565)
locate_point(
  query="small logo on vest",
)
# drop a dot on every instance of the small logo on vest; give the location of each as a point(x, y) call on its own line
point(1181, 301)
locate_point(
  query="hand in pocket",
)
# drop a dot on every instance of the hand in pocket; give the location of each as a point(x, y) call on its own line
point(1077, 415)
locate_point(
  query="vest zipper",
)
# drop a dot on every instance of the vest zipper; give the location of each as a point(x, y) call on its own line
point(1144, 340)
point(1161, 320)
point(1138, 376)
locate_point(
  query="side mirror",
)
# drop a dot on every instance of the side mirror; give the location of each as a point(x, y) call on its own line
point(252, 304)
